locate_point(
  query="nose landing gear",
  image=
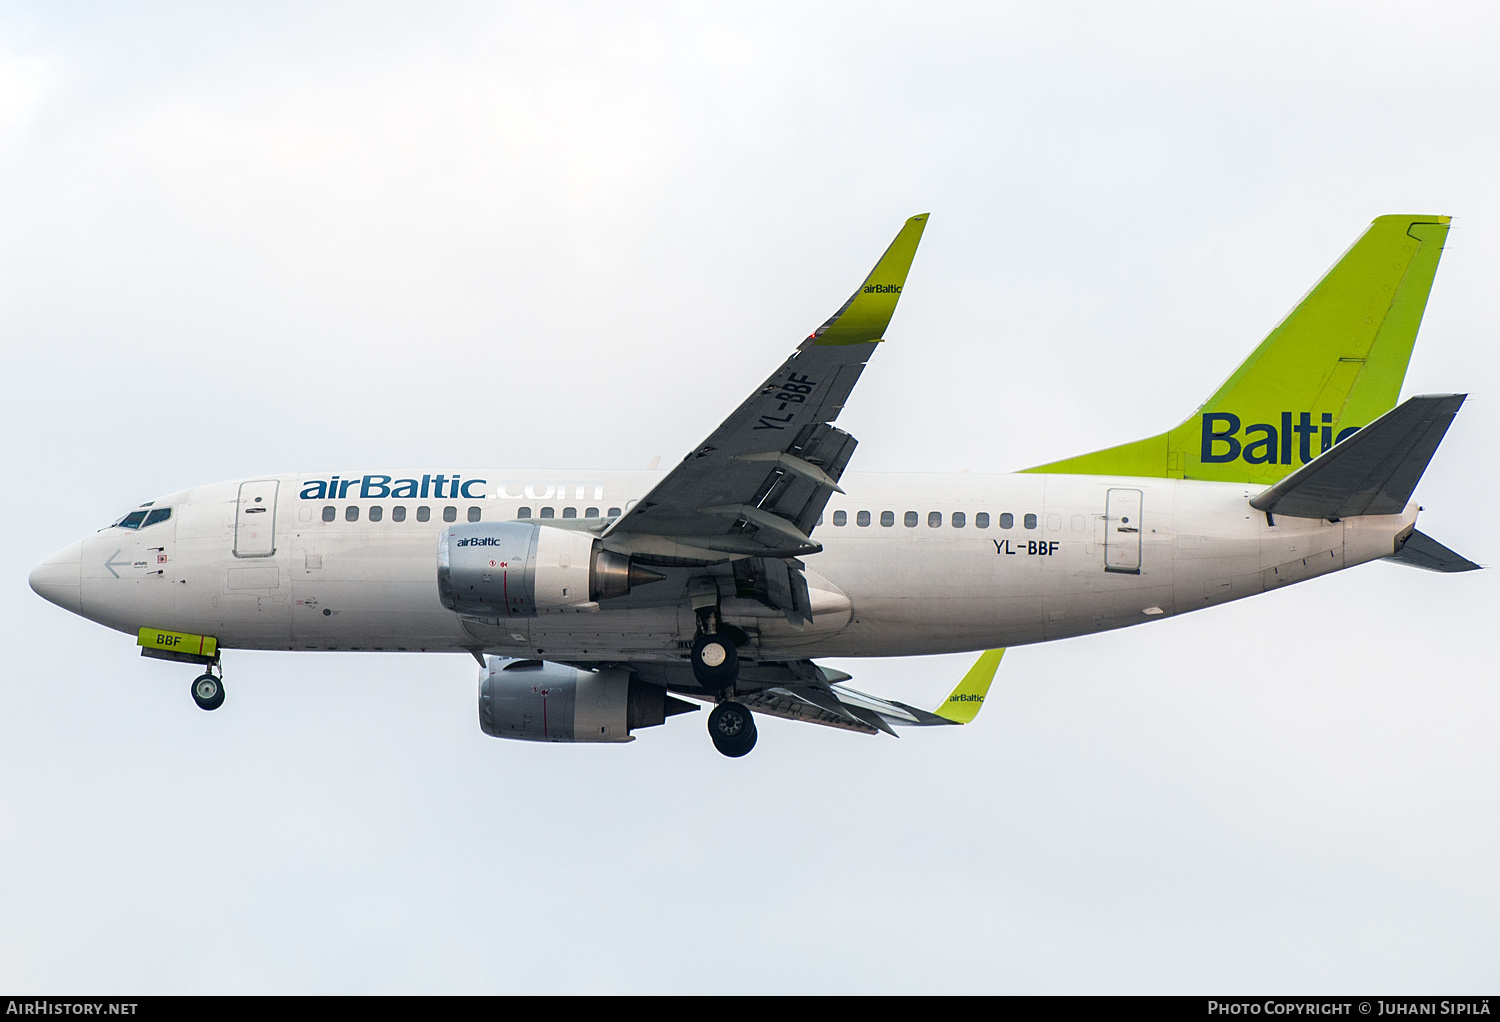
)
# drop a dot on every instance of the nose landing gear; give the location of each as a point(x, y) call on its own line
point(208, 691)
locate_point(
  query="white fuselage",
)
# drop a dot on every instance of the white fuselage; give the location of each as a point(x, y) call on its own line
point(285, 578)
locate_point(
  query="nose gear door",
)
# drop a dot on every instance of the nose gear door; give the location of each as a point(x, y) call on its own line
point(255, 519)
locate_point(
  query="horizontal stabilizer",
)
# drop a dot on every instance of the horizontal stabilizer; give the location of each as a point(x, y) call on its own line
point(1422, 551)
point(1374, 471)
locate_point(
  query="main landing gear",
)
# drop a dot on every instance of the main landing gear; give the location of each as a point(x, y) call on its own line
point(208, 691)
point(732, 727)
point(715, 662)
point(716, 665)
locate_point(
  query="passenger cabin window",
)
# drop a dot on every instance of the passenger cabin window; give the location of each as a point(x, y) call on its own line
point(450, 513)
point(1007, 521)
point(351, 513)
point(982, 520)
point(862, 519)
point(424, 513)
point(329, 512)
point(547, 512)
point(131, 521)
point(473, 514)
point(959, 519)
point(377, 513)
point(523, 512)
point(934, 519)
point(1030, 521)
point(570, 512)
point(398, 513)
point(887, 519)
point(840, 518)
point(614, 512)
point(591, 512)
point(911, 519)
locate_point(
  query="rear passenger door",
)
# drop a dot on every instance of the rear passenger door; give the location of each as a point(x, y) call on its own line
point(1122, 531)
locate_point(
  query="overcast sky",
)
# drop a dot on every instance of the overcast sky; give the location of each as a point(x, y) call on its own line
point(238, 240)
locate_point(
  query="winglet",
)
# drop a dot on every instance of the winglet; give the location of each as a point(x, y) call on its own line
point(864, 317)
point(965, 702)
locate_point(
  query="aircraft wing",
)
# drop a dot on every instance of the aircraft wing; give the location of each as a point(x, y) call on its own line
point(833, 704)
point(757, 485)
point(802, 690)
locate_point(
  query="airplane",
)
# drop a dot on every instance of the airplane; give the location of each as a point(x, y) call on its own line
point(602, 603)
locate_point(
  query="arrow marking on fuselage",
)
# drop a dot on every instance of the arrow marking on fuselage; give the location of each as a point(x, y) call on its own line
point(112, 564)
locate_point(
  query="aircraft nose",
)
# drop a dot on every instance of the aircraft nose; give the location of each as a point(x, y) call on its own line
point(59, 579)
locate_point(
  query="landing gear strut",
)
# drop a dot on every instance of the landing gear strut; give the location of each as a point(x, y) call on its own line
point(208, 691)
point(732, 728)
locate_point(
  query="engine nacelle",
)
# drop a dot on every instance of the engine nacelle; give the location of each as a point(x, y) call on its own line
point(520, 569)
point(536, 701)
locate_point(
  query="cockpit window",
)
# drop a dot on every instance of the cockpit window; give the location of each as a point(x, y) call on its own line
point(161, 514)
point(131, 521)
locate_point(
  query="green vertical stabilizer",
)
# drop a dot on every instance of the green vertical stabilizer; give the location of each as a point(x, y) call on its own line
point(1334, 364)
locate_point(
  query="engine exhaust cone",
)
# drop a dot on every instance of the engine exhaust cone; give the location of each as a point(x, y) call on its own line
point(613, 575)
point(640, 576)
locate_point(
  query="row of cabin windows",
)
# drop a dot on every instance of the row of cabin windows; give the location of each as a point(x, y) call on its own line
point(911, 520)
point(568, 512)
point(958, 519)
point(450, 513)
point(398, 513)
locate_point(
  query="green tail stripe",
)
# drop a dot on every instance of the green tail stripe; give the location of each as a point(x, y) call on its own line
point(1334, 364)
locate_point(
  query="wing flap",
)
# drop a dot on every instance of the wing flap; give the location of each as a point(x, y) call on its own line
point(789, 705)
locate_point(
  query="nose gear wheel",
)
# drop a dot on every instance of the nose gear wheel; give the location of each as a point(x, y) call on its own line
point(208, 691)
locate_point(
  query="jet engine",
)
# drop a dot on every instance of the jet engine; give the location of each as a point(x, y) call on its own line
point(537, 701)
point(518, 569)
